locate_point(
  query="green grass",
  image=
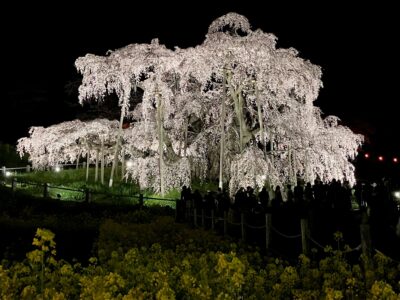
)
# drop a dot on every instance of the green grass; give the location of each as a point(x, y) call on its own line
point(76, 179)
point(121, 193)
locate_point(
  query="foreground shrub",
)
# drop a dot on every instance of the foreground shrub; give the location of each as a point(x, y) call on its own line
point(189, 271)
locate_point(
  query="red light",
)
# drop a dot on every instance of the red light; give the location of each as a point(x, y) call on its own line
point(380, 158)
point(395, 160)
point(366, 155)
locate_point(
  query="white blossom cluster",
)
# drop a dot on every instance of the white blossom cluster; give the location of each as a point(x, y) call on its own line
point(65, 142)
point(234, 107)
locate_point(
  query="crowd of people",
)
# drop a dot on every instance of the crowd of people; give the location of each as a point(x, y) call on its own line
point(336, 197)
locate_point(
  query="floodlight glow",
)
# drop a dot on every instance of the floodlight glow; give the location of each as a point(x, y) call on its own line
point(8, 173)
point(57, 169)
point(380, 158)
point(129, 163)
point(366, 155)
point(395, 160)
point(396, 194)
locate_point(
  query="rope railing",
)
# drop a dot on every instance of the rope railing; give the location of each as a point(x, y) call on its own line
point(28, 183)
point(380, 252)
point(85, 191)
point(162, 199)
point(255, 227)
point(29, 167)
point(315, 242)
point(200, 215)
point(65, 188)
point(358, 248)
point(285, 235)
point(15, 168)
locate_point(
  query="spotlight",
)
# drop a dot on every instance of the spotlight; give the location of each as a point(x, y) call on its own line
point(57, 169)
point(395, 160)
point(396, 194)
point(366, 155)
point(129, 163)
point(380, 158)
point(8, 174)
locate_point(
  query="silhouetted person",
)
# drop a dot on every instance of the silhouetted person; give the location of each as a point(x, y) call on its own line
point(251, 200)
point(240, 199)
point(181, 205)
point(277, 201)
point(298, 195)
point(223, 202)
point(263, 197)
point(308, 194)
point(333, 194)
point(319, 193)
point(289, 196)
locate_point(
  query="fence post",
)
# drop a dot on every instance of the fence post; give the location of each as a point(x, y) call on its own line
point(365, 236)
point(195, 217)
point(28, 168)
point(88, 196)
point(304, 235)
point(4, 170)
point(225, 222)
point(242, 226)
point(141, 201)
point(268, 223)
point(96, 172)
point(77, 160)
point(212, 219)
point(202, 217)
point(13, 184)
point(46, 190)
point(366, 245)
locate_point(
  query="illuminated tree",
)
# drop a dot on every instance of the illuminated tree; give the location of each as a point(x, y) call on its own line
point(270, 98)
point(67, 141)
point(235, 107)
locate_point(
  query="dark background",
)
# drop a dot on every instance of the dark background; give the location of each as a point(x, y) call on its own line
point(355, 46)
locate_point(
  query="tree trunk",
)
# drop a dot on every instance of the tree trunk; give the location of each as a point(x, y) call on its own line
point(160, 142)
point(240, 113)
point(271, 142)
point(115, 161)
point(87, 163)
point(244, 134)
point(77, 159)
point(294, 183)
point(102, 162)
point(117, 165)
point(260, 121)
point(96, 173)
point(186, 136)
point(236, 103)
point(306, 167)
point(122, 165)
point(222, 141)
point(180, 147)
point(291, 170)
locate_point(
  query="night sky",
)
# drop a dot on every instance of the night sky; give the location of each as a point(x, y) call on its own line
point(355, 46)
